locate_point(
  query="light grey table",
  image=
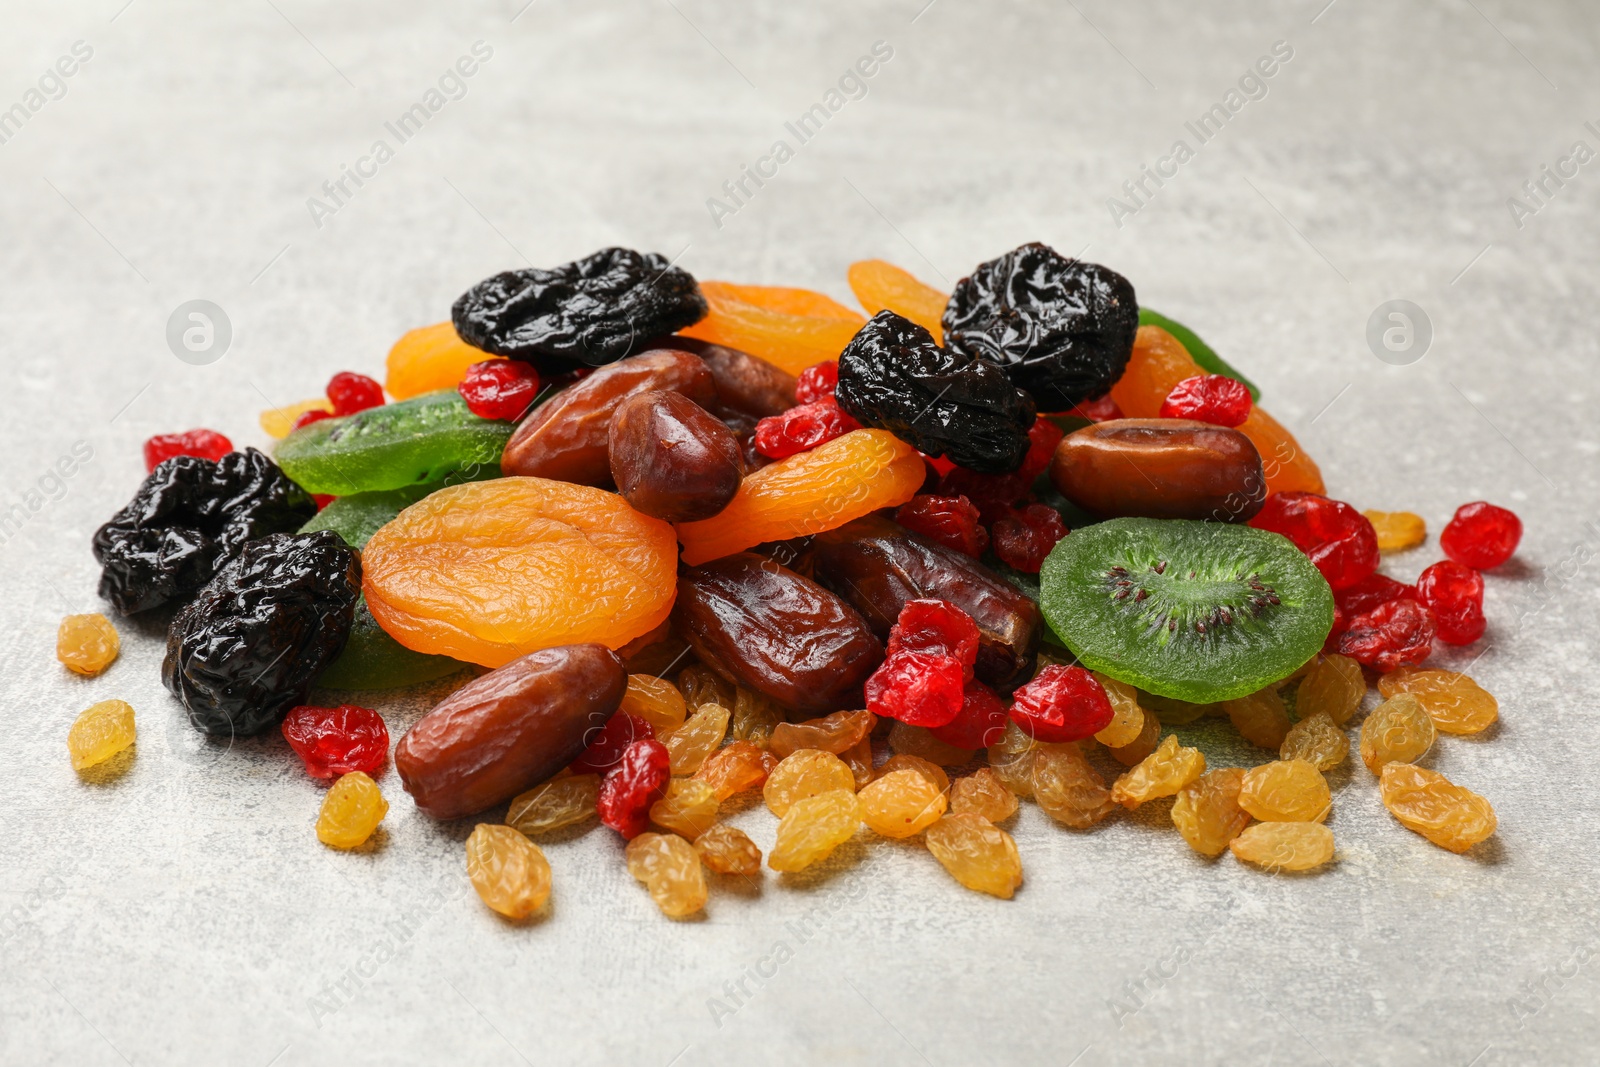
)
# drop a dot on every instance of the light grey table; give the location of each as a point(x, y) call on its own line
point(184, 913)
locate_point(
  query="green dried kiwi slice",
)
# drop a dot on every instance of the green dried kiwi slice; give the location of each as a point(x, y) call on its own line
point(1197, 611)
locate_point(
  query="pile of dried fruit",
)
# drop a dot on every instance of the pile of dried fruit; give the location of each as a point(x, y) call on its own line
point(708, 539)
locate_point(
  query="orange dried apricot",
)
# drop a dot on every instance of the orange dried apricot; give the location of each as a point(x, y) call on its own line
point(880, 285)
point(489, 571)
point(809, 493)
point(790, 328)
point(429, 358)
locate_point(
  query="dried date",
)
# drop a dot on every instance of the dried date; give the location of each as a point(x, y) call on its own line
point(671, 459)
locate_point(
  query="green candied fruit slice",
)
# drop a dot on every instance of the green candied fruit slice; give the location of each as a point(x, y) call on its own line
point(1199, 351)
point(393, 446)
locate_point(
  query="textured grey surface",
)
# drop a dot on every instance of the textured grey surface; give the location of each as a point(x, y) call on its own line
point(184, 913)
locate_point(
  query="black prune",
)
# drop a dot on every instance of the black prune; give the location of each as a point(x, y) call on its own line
point(593, 310)
point(189, 518)
point(892, 375)
point(1062, 329)
point(248, 646)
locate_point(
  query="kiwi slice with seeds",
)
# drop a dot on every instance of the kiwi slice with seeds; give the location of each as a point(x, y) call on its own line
point(1197, 611)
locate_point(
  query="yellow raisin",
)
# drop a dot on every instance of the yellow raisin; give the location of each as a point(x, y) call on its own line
point(1011, 760)
point(1161, 774)
point(86, 644)
point(1069, 790)
point(1334, 685)
point(100, 732)
point(1397, 731)
point(509, 872)
point(901, 804)
point(700, 684)
point(277, 422)
point(832, 733)
point(728, 850)
point(351, 811)
point(858, 758)
point(1455, 703)
point(1316, 740)
point(656, 701)
point(689, 808)
point(1127, 717)
point(1207, 811)
point(805, 774)
point(555, 804)
point(754, 717)
point(1284, 846)
point(735, 767)
point(919, 741)
point(1449, 815)
point(978, 854)
point(931, 771)
point(1261, 718)
point(1397, 530)
point(813, 827)
point(983, 793)
point(1149, 737)
point(1173, 712)
point(1290, 790)
point(690, 744)
point(670, 869)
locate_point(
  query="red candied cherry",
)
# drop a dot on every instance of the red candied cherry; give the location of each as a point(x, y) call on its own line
point(336, 741)
point(952, 521)
point(918, 688)
point(817, 382)
point(350, 392)
point(605, 750)
point(937, 627)
point(322, 500)
point(1061, 704)
point(1043, 436)
point(1481, 535)
point(1100, 409)
point(993, 494)
point(1392, 635)
point(981, 721)
point(1454, 594)
point(638, 780)
point(1371, 591)
point(1341, 622)
point(308, 417)
point(499, 388)
point(802, 428)
point(1339, 540)
point(1024, 538)
point(1458, 624)
point(1214, 398)
point(207, 444)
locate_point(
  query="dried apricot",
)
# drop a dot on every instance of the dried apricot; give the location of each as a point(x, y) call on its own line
point(429, 358)
point(901, 804)
point(815, 826)
point(670, 869)
point(789, 328)
point(1447, 814)
point(1284, 846)
point(977, 854)
point(86, 644)
point(509, 872)
point(805, 774)
point(880, 285)
point(1318, 741)
point(1455, 703)
point(1207, 811)
point(1161, 774)
point(1285, 791)
point(809, 493)
point(728, 850)
point(1397, 530)
point(1397, 731)
point(983, 793)
point(488, 571)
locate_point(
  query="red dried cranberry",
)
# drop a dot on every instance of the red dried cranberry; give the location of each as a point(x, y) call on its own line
point(1214, 398)
point(937, 627)
point(322, 500)
point(638, 780)
point(1396, 634)
point(1341, 622)
point(308, 417)
point(207, 444)
point(817, 382)
point(1043, 436)
point(350, 392)
point(993, 494)
point(979, 724)
point(802, 428)
point(499, 388)
point(1100, 409)
point(335, 741)
point(603, 753)
point(1371, 591)
point(1338, 538)
point(1061, 704)
point(918, 688)
point(950, 520)
point(1481, 535)
point(1024, 538)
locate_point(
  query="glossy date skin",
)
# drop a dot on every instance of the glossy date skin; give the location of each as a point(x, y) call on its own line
point(765, 627)
point(671, 459)
point(507, 731)
point(1160, 469)
point(746, 384)
point(878, 566)
point(566, 437)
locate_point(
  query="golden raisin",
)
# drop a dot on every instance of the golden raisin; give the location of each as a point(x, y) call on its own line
point(919, 741)
point(689, 808)
point(813, 827)
point(901, 804)
point(805, 774)
point(656, 701)
point(934, 773)
point(1127, 717)
point(1427, 802)
point(670, 869)
point(983, 793)
point(1397, 731)
point(831, 733)
point(1284, 846)
point(1335, 686)
point(754, 717)
point(978, 854)
point(509, 872)
point(1455, 703)
point(1397, 530)
point(1069, 790)
point(1174, 712)
point(1317, 741)
point(699, 684)
point(557, 803)
point(1011, 760)
point(1161, 774)
point(735, 767)
point(86, 644)
point(1207, 811)
point(693, 742)
point(728, 850)
point(100, 732)
point(1260, 718)
point(1149, 737)
point(277, 422)
point(858, 758)
point(1285, 791)
point(351, 811)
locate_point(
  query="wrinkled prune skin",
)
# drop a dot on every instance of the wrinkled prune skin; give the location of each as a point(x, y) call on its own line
point(189, 518)
point(878, 566)
point(248, 647)
point(593, 310)
point(1062, 329)
point(893, 376)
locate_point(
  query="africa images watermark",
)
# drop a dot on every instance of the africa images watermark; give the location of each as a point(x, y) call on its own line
point(1541, 189)
point(51, 486)
point(52, 85)
point(852, 85)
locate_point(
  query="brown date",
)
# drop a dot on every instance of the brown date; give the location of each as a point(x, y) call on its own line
point(746, 384)
point(671, 459)
point(836, 733)
point(766, 628)
point(878, 565)
point(565, 438)
point(1160, 469)
point(510, 729)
